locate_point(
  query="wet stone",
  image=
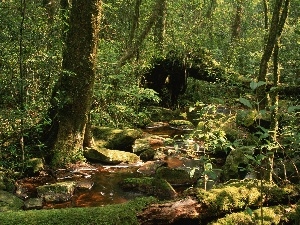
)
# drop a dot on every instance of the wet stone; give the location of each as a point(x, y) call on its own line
point(33, 203)
point(84, 184)
point(59, 192)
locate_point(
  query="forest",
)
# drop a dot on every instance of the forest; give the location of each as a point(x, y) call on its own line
point(211, 85)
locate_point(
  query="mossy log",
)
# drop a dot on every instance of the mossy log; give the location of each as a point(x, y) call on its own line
point(203, 207)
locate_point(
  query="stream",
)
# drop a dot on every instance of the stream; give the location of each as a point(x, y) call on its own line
point(97, 185)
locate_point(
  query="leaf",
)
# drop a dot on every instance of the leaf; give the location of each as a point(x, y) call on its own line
point(254, 85)
point(293, 108)
point(260, 83)
point(249, 211)
point(245, 102)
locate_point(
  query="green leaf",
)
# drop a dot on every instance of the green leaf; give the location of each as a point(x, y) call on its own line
point(249, 211)
point(245, 102)
point(254, 85)
point(293, 108)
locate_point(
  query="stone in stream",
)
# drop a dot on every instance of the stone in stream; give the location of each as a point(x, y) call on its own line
point(58, 192)
point(33, 203)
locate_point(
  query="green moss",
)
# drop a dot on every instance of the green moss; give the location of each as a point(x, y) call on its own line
point(116, 138)
point(149, 185)
point(9, 202)
point(271, 216)
point(174, 176)
point(108, 215)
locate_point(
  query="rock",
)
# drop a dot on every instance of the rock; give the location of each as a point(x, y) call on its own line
point(118, 139)
point(237, 163)
point(181, 125)
point(149, 168)
point(159, 188)
point(10, 202)
point(107, 156)
point(147, 155)
point(84, 184)
point(148, 142)
point(178, 176)
point(33, 203)
point(58, 192)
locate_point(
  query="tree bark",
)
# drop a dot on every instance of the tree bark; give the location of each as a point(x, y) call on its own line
point(278, 20)
point(160, 27)
point(71, 99)
point(237, 22)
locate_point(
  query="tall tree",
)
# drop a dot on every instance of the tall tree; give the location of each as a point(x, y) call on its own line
point(277, 23)
point(237, 22)
point(274, 97)
point(71, 99)
point(160, 26)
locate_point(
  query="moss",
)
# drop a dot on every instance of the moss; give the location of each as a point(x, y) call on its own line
point(110, 156)
point(271, 216)
point(151, 186)
point(112, 214)
point(9, 202)
point(116, 138)
point(174, 175)
point(57, 192)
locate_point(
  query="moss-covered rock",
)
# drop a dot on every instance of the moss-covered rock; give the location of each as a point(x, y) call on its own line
point(271, 216)
point(239, 195)
point(159, 188)
point(107, 156)
point(58, 192)
point(178, 176)
point(9, 202)
point(116, 138)
point(33, 203)
point(237, 163)
point(111, 214)
point(181, 125)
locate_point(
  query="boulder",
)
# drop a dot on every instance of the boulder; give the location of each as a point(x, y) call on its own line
point(107, 156)
point(149, 168)
point(33, 203)
point(118, 139)
point(58, 192)
point(159, 188)
point(181, 125)
point(10, 202)
point(237, 163)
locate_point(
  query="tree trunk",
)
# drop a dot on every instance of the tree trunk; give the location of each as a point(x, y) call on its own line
point(274, 32)
point(135, 22)
point(279, 16)
point(72, 94)
point(160, 27)
point(237, 22)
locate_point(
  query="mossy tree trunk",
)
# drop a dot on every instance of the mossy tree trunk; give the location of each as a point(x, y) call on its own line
point(72, 95)
point(277, 23)
point(160, 26)
point(274, 97)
